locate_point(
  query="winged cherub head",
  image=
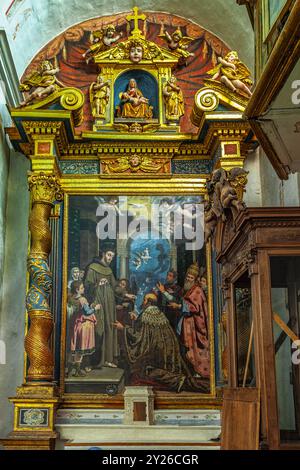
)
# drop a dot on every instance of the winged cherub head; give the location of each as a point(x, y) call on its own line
point(136, 51)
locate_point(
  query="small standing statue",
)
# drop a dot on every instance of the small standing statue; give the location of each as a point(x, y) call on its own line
point(41, 83)
point(178, 43)
point(233, 73)
point(102, 40)
point(173, 99)
point(99, 97)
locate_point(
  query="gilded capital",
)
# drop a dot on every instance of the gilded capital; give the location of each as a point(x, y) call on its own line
point(44, 188)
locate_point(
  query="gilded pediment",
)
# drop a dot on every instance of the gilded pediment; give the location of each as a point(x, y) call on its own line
point(151, 53)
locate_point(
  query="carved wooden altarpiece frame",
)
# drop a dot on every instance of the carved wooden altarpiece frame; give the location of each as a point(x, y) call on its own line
point(107, 160)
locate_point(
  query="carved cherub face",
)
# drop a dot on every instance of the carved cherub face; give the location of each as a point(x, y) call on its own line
point(216, 176)
point(232, 56)
point(176, 36)
point(46, 65)
point(134, 161)
point(136, 54)
point(99, 79)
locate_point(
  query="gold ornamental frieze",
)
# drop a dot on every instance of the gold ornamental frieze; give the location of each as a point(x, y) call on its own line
point(136, 163)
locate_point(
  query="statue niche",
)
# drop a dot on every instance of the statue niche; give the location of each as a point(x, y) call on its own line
point(140, 74)
point(136, 97)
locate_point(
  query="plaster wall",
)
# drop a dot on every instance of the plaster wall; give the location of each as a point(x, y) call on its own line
point(253, 195)
point(12, 308)
point(274, 191)
point(4, 163)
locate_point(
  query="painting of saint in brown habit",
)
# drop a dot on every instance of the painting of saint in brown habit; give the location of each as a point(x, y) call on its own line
point(137, 297)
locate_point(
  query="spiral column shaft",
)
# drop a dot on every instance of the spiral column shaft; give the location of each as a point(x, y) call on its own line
point(45, 190)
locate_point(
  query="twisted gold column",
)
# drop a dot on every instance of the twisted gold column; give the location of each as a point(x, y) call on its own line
point(45, 190)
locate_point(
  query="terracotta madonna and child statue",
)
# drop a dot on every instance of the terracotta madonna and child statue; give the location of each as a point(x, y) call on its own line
point(133, 103)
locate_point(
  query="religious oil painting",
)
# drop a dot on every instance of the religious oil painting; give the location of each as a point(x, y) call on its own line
point(137, 289)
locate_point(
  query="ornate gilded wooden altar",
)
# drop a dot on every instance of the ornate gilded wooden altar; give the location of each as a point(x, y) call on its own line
point(131, 131)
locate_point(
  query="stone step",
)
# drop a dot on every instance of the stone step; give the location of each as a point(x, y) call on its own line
point(173, 429)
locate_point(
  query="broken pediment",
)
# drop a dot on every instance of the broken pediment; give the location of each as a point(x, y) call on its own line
point(215, 97)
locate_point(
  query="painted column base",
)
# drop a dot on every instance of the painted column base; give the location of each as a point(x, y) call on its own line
point(35, 409)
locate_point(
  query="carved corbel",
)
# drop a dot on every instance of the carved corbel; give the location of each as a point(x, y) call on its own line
point(251, 261)
point(225, 287)
point(225, 194)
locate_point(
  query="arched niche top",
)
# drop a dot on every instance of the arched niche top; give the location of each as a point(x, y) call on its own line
point(146, 83)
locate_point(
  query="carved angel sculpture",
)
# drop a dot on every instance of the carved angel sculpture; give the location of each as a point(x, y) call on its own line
point(178, 43)
point(226, 194)
point(233, 73)
point(210, 220)
point(41, 83)
point(222, 197)
point(173, 99)
point(102, 40)
point(99, 97)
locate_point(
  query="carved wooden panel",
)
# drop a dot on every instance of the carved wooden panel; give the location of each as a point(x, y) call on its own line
point(240, 406)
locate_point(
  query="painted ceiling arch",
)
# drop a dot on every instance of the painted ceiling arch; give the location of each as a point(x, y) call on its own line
point(30, 24)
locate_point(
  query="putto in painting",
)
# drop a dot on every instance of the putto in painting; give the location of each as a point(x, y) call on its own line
point(136, 309)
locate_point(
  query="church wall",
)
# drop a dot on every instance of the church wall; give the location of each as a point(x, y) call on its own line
point(4, 163)
point(14, 283)
point(264, 188)
point(291, 190)
point(274, 191)
point(270, 183)
point(253, 195)
point(14, 204)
